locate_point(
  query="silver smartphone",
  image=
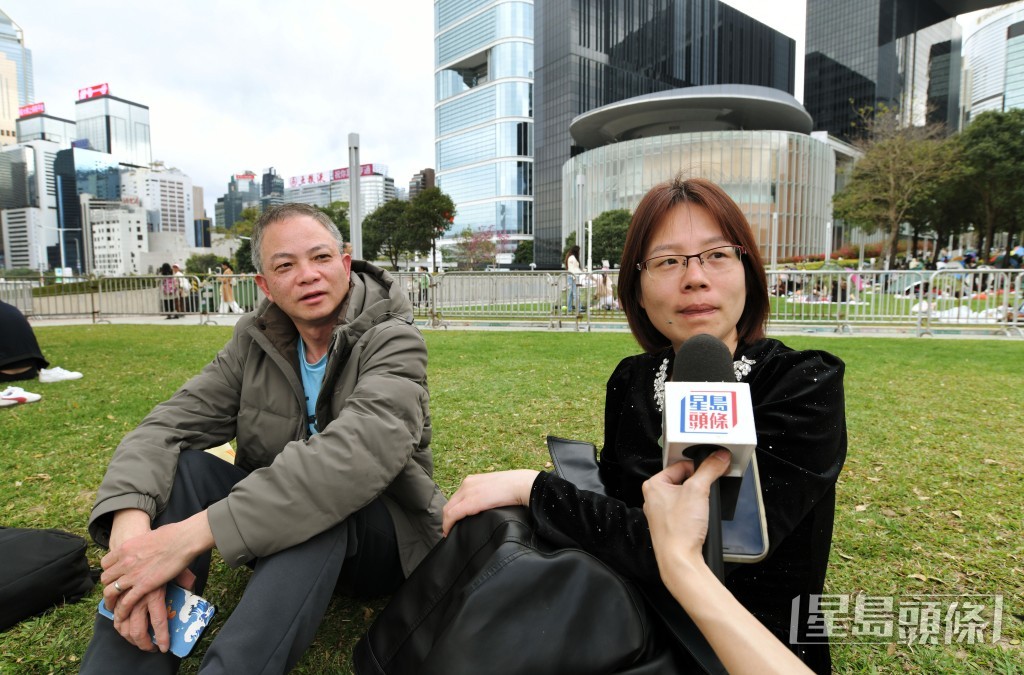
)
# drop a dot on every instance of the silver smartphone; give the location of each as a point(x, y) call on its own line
point(745, 537)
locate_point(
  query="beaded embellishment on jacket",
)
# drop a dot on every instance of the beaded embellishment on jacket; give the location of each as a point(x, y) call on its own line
point(741, 368)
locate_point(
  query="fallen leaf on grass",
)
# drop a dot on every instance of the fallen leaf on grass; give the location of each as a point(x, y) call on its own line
point(889, 513)
point(548, 465)
point(844, 556)
point(958, 513)
point(110, 417)
point(860, 507)
point(989, 461)
point(922, 577)
point(891, 649)
point(367, 613)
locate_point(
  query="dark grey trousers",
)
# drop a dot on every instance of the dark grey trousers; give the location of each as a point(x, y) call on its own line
point(287, 595)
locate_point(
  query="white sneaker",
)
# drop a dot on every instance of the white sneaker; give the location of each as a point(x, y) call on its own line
point(15, 395)
point(57, 375)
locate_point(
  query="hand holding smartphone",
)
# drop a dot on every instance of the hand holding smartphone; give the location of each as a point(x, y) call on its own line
point(187, 618)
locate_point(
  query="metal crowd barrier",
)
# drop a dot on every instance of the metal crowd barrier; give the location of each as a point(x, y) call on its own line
point(923, 302)
point(928, 301)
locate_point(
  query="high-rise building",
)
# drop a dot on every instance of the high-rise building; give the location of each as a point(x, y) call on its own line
point(272, 193)
point(35, 125)
point(8, 101)
point(28, 205)
point(77, 172)
point(114, 125)
point(243, 193)
point(12, 48)
point(166, 196)
point(323, 188)
point(994, 63)
point(422, 180)
point(592, 53)
point(901, 53)
point(484, 113)
point(120, 236)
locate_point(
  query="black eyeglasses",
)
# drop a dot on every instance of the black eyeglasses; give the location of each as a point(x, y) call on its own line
point(713, 260)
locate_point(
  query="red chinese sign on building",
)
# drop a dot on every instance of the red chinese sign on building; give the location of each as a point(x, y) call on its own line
point(93, 91)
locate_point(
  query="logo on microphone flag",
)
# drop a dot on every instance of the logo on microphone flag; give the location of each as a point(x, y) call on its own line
point(709, 412)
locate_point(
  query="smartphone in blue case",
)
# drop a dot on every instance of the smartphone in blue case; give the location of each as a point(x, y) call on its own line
point(187, 617)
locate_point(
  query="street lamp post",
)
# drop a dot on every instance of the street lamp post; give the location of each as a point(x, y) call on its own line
point(775, 240)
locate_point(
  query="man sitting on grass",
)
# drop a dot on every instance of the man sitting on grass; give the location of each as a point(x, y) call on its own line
point(324, 386)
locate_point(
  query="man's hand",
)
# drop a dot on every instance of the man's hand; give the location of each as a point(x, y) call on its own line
point(136, 571)
point(485, 491)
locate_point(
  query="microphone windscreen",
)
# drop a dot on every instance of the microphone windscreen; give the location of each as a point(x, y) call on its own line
point(703, 358)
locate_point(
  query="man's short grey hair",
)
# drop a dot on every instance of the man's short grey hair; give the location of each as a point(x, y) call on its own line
point(284, 212)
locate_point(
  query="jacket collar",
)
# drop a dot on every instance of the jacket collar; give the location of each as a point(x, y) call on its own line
point(372, 297)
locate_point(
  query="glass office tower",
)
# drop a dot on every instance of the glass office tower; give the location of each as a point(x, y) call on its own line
point(116, 126)
point(483, 82)
point(12, 46)
point(78, 171)
point(590, 53)
point(994, 63)
point(903, 53)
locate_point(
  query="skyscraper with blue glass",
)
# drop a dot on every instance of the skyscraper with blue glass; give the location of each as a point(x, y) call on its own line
point(12, 47)
point(483, 74)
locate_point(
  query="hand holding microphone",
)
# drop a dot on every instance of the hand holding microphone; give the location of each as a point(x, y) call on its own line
point(706, 410)
point(676, 506)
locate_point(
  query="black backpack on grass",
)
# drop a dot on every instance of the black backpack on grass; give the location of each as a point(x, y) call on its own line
point(40, 569)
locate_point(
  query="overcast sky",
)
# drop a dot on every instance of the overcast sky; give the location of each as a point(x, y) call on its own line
point(233, 86)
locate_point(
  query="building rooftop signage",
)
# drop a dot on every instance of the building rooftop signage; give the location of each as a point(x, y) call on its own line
point(93, 91)
point(31, 109)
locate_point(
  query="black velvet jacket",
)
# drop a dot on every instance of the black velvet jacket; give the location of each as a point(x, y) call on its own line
point(800, 416)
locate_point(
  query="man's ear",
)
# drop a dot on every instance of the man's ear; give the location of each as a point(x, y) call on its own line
point(261, 281)
point(346, 260)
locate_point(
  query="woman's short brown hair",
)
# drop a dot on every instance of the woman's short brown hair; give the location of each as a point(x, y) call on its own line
point(651, 210)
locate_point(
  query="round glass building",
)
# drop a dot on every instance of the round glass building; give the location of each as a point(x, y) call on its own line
point(753, 141)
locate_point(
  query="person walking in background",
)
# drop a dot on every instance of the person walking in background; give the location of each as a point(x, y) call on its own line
point(21, 358)
point(572, 264)
point(168, 291)
point(182, 287)
point(227, 291)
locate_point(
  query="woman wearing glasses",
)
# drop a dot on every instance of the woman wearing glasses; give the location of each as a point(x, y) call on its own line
point(690, 265)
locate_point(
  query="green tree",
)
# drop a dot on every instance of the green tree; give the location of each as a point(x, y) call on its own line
point(338, 213)
point(200, 263)
point(898, 165)
point(431, 214)
point(245, 223)
point(386, 232)
point(524, 253)
point(243, 258)
point(993, 146)
point(943, 206)
point(610, 236)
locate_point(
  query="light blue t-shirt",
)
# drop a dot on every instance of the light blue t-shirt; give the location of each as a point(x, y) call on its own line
point(312, 378)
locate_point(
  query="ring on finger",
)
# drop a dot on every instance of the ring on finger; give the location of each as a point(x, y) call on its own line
point(117, 586)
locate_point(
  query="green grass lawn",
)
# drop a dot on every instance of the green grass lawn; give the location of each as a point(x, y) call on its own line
point(930, 501)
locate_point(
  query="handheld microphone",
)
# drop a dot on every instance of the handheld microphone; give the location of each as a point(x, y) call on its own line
point(707, 409)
